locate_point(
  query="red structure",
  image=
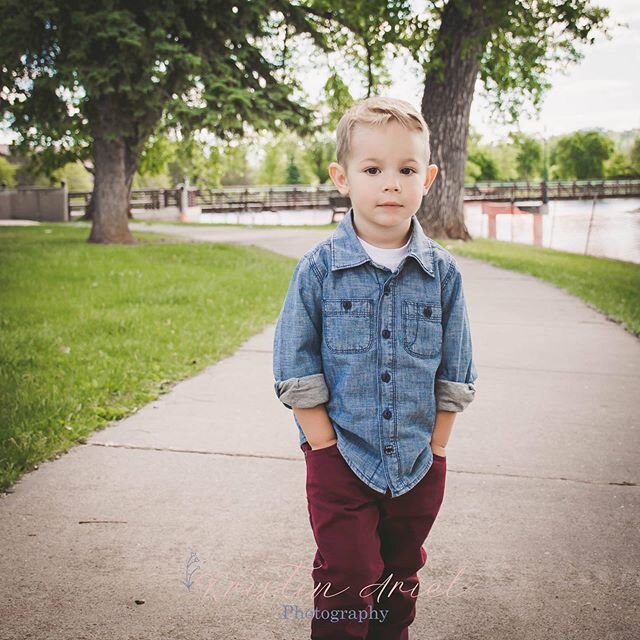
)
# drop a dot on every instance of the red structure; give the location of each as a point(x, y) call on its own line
point(492, 209)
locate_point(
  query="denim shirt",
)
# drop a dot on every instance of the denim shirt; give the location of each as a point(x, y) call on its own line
point(382, 350)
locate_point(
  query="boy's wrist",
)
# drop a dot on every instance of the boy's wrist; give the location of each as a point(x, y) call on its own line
point(323, 444)
point(439, 450)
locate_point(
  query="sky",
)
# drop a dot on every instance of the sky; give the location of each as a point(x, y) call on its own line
point(600, 91)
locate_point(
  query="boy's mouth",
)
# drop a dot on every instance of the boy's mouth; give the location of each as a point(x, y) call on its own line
point(390, 204)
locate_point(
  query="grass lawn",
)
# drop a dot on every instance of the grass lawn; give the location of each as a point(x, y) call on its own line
point(89, 333)
point(329, 226)
point(610, 286)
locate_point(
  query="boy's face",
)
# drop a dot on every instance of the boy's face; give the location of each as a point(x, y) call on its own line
point(386, 178)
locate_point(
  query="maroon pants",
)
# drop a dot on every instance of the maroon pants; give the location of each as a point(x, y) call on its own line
point(369, 548)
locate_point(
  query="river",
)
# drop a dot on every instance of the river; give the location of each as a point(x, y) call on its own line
point(615, 226)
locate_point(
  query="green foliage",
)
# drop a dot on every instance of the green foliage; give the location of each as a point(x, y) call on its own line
point(293, 173)
point(481, 162)
point(528, 156)
point(7, 172)
point(223, 67)
point(520, 41)
point(635, 155)
point(233, 164)
point(71, 71)
point(483, 166)
point(618, 166)
point(207, 163)
point(337, 97)
point(319, 153)
point(520, 158)
point(153, 167)
point(367, 30)
point(284, 155)
point(272, 170)
point(156, 154)
point(505, 157)
point(529, 39)
point(75, 176)
point(581, 155)
point(158, 181)
point(196, 161)
point(471, 172)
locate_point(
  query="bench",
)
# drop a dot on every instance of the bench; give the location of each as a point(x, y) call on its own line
point(339, 206)
point(233, 205)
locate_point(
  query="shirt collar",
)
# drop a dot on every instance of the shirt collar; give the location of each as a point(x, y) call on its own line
point(346, 250)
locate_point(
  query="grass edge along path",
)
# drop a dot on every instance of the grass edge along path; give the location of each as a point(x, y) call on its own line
point(91, 333)
point(609, 286)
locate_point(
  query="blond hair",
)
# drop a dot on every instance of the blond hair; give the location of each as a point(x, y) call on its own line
point(378, 111)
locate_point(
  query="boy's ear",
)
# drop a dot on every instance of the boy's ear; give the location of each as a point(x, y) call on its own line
point(339, 178)
point(432, 172)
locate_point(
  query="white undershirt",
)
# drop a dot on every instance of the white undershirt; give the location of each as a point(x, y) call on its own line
point(389, 258)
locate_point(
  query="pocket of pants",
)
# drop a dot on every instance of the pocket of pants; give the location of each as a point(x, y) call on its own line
point(422, 328)
point(347, 324)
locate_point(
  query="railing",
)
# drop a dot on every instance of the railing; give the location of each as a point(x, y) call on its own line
point(556, 190)
point(276, 197)
point(264, 198)
point(140, 199)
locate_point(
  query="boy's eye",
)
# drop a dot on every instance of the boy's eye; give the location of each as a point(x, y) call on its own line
point(408, 169)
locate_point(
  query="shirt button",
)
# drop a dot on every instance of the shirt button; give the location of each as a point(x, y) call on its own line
point(387, 290)
point(387, 414)
point(427, 312)
point(386, 333)
point(347, 304)
point(389, 448)
point(385, 377)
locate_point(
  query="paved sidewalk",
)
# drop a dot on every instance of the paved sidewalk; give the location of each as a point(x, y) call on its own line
point(537, 537)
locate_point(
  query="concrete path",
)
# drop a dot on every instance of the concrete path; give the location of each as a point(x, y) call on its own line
point(188, 520)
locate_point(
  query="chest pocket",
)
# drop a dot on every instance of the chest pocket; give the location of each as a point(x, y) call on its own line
point(422, 328)
point(347, 324)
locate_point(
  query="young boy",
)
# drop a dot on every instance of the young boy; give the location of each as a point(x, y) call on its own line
point(372, 352)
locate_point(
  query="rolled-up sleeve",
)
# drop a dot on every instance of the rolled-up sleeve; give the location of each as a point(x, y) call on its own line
point(456, 375)
point(297, 359)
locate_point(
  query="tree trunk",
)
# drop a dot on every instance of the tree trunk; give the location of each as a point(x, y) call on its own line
point(88, 211)
point(111, 192)
point(131, 154)
point(446, 104)
point(114, 159)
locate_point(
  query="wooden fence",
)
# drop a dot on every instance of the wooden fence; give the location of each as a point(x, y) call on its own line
point(274, 198)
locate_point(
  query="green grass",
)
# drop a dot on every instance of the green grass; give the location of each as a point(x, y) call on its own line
point(329, 226)
point(89, 333)
point(323, 227)
point(610, 286)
